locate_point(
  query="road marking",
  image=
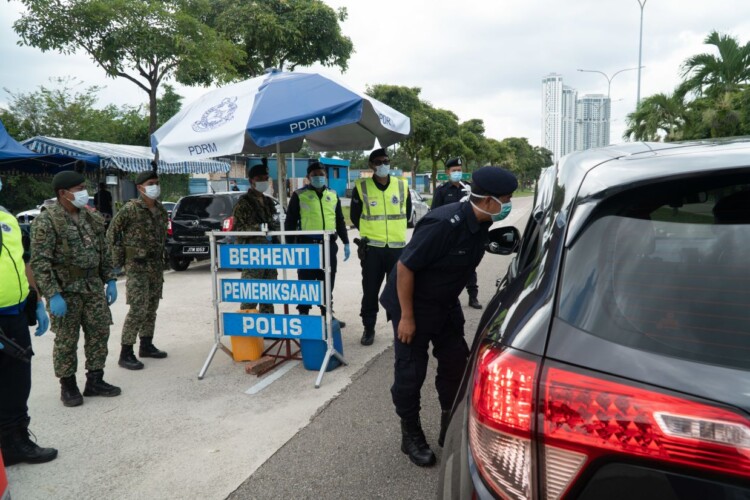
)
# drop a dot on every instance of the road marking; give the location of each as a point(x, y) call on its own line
point(272, 378)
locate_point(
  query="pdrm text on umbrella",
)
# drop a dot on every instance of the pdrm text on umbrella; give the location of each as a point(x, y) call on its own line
point(302, 125)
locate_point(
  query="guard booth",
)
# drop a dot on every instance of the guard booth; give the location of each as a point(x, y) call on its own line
point(284, 329)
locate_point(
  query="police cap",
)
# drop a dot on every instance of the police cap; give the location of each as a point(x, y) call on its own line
point(314, 165)
point(67, 179)
point(144, 176)
point(453, 162)
point(494, 181)
point(378, 153)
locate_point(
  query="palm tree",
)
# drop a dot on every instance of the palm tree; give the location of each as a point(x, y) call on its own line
point(713, 76)
point(657, 116)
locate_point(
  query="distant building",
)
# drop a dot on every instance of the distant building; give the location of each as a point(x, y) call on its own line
point(568, 130)
point(552, 88)
point(592, 122)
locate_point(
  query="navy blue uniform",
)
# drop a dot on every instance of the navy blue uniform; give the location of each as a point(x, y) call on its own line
point(445, 249)
point(445, 194)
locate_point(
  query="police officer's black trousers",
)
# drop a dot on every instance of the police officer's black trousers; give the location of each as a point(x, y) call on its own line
point(471, 287)
point(410, 368)
point(320, 275)
point(376, 266)
point(15, 375)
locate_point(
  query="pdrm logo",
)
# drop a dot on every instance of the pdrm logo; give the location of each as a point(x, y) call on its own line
point(216, 116)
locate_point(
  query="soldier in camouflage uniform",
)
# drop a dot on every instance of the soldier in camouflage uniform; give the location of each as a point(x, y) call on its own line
point(71, 263)
point(253, 209)
point(136, 236)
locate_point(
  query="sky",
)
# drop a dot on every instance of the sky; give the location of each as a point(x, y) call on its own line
point(478, 58)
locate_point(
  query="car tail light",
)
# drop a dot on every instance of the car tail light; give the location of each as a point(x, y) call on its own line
point(228, 223)
point(582, 417)
point(169, 227)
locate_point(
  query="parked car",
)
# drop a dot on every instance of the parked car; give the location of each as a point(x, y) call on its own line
point(614, 359)
point(419, 208)
point(191, 218)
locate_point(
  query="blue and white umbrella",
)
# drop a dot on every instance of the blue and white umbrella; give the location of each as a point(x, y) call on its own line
point(274, 113)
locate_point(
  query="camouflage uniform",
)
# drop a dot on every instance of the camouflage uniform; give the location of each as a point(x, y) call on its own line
point(252, 210)
point(136, 237)
point(72, 258)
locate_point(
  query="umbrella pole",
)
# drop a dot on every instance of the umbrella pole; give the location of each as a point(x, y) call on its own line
point(281, 168)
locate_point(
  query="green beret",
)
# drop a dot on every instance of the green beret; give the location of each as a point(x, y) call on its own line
point(144, 176)
point(67, 179)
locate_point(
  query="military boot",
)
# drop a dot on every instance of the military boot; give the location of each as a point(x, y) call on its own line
point(414, 444)
point(368, 336)
point(342, 324)
point(474, 303)
point(445, 420)
point(149, 350)
point(18, 448)
point(128, 359)
point(69, 393)
point(96, 386)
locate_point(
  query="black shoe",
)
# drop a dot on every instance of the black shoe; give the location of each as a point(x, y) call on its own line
point(414, 444)
point(18, 448)
point(128, 359)
point(341, 323)
point(368, 336)
point(96, 386)
point(149, 350)
point(445, 420)
point(473, 302)
point(69, 393)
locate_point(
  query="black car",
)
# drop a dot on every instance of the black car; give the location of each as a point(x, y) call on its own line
point(613, 361)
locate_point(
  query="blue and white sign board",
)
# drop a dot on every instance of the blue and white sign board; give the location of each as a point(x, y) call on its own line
point(270, 256)
point(273, 291)
point(274, 326)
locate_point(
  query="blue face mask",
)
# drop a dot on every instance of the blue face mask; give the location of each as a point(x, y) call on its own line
point(1, 184)
point(455, 176)
point(503, 212)
point(318, 181)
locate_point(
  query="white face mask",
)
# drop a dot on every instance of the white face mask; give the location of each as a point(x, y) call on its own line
point(262, 186)
point(80, 199)
point(383, 170)
point(494, 216)
point(152, 191)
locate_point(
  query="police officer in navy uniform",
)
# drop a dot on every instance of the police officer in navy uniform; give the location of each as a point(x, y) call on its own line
point(421, 299)
point(452, 191)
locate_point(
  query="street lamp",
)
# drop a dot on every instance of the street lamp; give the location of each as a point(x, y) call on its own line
point(609, 87)
point(642, 4)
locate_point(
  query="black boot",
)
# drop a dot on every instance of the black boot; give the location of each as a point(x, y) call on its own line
point(368, 336)
point(128, 359)
point(445, 420)
point(474, 303)
point(414, 444)
point(69, 393)
point(18, 448)
point(149, 350)
point(96, 386)
point(342, 324)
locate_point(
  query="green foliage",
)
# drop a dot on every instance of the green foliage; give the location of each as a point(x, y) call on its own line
point(23, 192)
point(168, 105)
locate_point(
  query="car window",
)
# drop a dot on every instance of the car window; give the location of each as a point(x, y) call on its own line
point(665, 269)
point(205, 207)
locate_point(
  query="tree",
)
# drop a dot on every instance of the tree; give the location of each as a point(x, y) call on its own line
point(657, 115)
point(710, 75)
point(443, 141)
point(283, 34)
point(142, 41)
point(168, 105)
point(471, 133)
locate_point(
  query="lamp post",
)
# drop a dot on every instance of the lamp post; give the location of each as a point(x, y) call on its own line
point(642, 4)
point(609, 86)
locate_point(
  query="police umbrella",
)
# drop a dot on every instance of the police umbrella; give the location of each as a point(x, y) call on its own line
point(274, 113)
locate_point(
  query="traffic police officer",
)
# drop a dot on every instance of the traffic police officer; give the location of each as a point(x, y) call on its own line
point(452, 191)
point(136, 236)
point(380, 208)
point(71, 263)
point(15, 373)
point(421, 299)
point(317, 207)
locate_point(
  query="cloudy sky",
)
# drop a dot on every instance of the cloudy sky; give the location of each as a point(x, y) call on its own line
point(479, 58)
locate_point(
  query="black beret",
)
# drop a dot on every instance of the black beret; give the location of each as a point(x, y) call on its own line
point(256, 170)
point(494, 181)
point(377, 153)
point(453, 162)
point(314, 165)
point(144, 176)
point(67, 179)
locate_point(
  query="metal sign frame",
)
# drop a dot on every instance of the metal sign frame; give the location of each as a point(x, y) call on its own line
point(216, 296)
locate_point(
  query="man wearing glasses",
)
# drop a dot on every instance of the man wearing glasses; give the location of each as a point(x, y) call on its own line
point(379, 209)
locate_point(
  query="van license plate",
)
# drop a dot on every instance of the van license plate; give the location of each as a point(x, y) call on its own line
point(195, 250)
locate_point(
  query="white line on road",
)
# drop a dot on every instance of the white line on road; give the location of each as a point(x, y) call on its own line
point(272, 378)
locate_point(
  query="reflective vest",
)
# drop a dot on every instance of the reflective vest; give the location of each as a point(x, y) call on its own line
point(317, 213)
point(383, 219)
point(14, 287)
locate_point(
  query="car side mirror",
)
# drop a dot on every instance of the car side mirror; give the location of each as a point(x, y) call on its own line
point(504, 240)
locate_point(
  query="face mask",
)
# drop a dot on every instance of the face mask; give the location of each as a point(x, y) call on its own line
point(153, 191)
point(456, 176)
point(81, 198)
point(262, 186)
point(496, 216)
point(318, 181)
point(383, 170)
point(504, 212)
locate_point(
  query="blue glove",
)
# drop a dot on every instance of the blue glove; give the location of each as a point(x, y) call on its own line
point(111, 292)
point(347, 252)
point(57, 305)
point(269, 238)
point(42, 319)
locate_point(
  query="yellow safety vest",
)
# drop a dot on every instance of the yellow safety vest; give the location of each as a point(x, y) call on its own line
point(317, 213)
point(383, 219)
point(14, 287)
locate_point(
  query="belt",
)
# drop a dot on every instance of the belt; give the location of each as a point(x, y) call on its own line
point(81, 273)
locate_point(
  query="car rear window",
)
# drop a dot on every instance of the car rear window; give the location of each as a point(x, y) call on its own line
point(205, 207)
point(665, 269)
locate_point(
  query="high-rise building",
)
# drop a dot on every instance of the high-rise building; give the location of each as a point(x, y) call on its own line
point(552, 88)
point(568, 129)
point(592, 122)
